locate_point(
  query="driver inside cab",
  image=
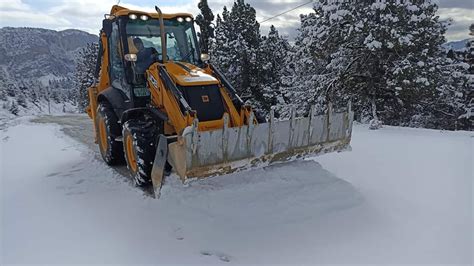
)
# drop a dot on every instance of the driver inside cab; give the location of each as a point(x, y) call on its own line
point(145, 56)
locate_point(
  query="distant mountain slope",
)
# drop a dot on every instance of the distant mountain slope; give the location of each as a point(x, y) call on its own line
point(456, 45)
point(39, 54)
point(37, 69)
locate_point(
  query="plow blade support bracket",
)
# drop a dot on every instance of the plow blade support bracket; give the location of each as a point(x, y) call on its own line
point(159, 164)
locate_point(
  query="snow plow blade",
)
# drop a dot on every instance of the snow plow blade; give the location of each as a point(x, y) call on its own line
point(198, 154)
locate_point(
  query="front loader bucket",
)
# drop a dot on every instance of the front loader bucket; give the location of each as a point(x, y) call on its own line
point(198, 154)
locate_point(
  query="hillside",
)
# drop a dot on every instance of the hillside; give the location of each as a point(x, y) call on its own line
point(39, 54)
point(37, 67)
point(456, 45)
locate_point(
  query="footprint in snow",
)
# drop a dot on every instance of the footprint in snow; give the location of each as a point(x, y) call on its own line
point(53, 174)
point(75, 170)
point(75, 193)
point(221, 256)
point(63, 187)
point(178, 234)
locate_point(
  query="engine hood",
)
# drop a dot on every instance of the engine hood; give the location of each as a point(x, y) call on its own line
point(185, 74)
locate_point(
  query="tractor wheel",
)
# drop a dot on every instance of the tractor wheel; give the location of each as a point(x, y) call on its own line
point(139, 145)
point(107, 130)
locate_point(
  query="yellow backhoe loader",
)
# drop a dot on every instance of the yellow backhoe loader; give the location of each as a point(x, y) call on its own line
point(160, 106)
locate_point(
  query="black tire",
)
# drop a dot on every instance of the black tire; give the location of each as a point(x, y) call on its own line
point(140, 152)
point(110, 149)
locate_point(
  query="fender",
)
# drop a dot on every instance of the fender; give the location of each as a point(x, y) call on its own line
point(158, 115)
point(116, 98)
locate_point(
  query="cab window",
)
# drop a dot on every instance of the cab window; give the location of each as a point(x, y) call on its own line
point(117, 73)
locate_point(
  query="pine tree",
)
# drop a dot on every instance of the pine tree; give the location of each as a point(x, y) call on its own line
point(469, 56)
point(384, 55)
point(271, 57)
point(304, 79)
point(235, 49)
point(84, 76)
point(466, 118)
point(11, 90)
point(21, 100)
point(221, 55)
point(204, 20)
point(14, 108)
point(3, 94)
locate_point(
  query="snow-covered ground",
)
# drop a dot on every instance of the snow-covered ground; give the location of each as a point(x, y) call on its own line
point(39, 107)
point(400, 196)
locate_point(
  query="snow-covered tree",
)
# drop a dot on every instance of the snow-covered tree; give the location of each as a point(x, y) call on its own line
point(272, 58)
point(11, 90)
point(204, 21)
point(84, 76)
point(384, 55)
point(235, 48)
point(220, 50)
point(304, 72)
point(21, 100)
point(14, 108)
point(466, 119)
point(3, 94)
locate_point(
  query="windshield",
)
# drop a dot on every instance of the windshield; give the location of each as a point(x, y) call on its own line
point(180, 38)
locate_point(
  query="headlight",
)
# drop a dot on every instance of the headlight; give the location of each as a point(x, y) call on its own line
point(144, 17)
point(132, 16)
point(205, 57)
point(188, 19)
point(180, 19)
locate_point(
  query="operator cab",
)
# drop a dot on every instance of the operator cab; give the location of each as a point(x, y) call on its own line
point(181, 43)
point(135, 43)
point(138, 40)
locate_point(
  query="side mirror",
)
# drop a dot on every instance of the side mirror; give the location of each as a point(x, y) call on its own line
point(205, 58)
point(131, 57)
point(107, 26)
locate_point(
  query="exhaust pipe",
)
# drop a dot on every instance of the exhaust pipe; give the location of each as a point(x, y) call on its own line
point(163, 35)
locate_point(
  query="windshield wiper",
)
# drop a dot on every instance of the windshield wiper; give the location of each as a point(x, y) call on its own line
point(191, 52)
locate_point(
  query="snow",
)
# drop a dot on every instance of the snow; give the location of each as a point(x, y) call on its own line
point(413, 8)
point(406, 39)
point(40, 107)
point(379, 5)
point(371, 43)
point(400, 196)
point(422, 80)
point(47, 78)
point(374, 45)
point(338, 15)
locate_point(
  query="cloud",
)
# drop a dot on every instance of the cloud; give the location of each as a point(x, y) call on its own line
point(14, 5)
point(461, 19)
point(466, 4)
point(87, 14)
point(461, 11)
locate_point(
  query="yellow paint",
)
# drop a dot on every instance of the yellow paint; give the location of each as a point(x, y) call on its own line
point(130, 153)
point(161, 97)
point(195, 77)
point(103, 136)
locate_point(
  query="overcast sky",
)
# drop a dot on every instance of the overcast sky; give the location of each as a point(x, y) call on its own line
point(87, 14)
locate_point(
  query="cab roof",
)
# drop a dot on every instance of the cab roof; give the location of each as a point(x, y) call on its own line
point(123, 11)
